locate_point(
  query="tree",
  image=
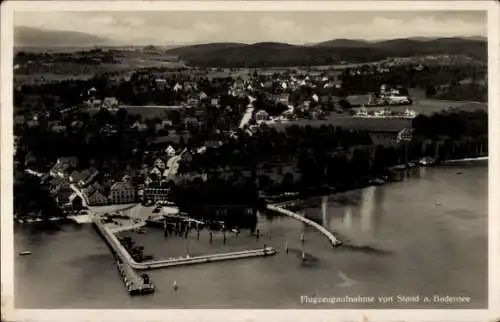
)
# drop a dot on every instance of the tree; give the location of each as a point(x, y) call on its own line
point(345, 105)
point(430, 91)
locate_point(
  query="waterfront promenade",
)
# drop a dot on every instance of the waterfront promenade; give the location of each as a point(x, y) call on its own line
point(124, 255)
point(333, 240)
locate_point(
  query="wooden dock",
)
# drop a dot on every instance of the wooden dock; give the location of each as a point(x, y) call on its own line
point(135, 284)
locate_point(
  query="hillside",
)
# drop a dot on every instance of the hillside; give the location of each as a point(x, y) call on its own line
point(344, 43)
point(34, 37)
point(271, 54)
point(203, 48)
point(325, 53)
point(407, 47)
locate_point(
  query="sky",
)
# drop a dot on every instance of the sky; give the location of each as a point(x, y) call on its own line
point(170, 27)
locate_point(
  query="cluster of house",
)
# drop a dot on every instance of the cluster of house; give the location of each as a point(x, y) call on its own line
point(389, 96)
point(92, 102)
point(363, 112)
point(74, 187)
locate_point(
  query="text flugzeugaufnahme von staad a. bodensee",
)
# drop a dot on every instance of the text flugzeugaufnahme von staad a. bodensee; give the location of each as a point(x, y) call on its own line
point(398, 299)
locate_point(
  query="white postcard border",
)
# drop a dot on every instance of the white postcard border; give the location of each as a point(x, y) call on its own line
point(6, 174)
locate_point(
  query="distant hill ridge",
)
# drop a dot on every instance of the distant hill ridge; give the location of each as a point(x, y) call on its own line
point(34, 37)
point(233, 54)
point(325, 53)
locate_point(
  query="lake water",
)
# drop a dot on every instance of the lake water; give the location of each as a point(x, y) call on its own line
point(425, 236)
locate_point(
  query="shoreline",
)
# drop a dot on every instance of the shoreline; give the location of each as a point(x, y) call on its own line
point(285, 198)
point(287, 202)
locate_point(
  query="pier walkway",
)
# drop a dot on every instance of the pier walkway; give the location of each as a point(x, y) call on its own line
point(138, 225)
point(135, 284)
point(124, 255)
point(333, 240)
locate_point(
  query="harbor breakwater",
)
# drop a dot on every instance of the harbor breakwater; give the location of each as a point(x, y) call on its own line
point(333, 240)
point(124, 255)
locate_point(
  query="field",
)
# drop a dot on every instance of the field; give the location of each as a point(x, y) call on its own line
point(146, 112)
point(347, 121)
point(421, 104)
point(126, 61)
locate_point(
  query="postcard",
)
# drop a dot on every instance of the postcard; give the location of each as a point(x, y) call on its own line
point(247, 161)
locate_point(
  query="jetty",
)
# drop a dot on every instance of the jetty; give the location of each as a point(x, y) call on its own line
point(135, 284)
point(126, 258)
point(137, 225)
point(485, 158)
point(333, 240)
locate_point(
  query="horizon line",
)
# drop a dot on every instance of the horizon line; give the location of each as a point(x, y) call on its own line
point(116, 43)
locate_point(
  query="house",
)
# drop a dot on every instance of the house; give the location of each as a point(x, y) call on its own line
point(398, 99)
point(284, 98)
point(110, 102)
point(160, 164)
point(405, 134)
point(166, 123)
point(213, 143)
point(203, 96)
point(32, 123)
point(75, 201)
point(170, 151)
point(86, 176)
point(54, 123)
point(155, 193)
point(94, 194)
point(177, 87)
point(215, 101)
point(108, 129)
point(122, 192)
point(190, 176)
point(63, 195)
point(63, 166)
point(139, 126)
point(94, 104)
point(154, 173)
point(58, 128)
point(190, 120)
point(193, 101)
point(261, 116)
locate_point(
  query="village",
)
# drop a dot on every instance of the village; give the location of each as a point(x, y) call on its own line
point(275, 100)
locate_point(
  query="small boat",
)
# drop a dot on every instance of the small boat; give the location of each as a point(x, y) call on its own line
point(378, 181)
point(26, 252)
point(175, 285)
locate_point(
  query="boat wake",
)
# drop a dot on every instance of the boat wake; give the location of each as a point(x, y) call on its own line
point(364, 249)
point(346, 280)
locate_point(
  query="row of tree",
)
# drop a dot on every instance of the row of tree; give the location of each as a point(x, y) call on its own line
point(429, 78)
point(333, 156)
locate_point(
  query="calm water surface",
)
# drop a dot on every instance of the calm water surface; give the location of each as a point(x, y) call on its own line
point(426, 235)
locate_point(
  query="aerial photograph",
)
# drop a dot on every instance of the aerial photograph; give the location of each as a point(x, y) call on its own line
point(250, 159)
